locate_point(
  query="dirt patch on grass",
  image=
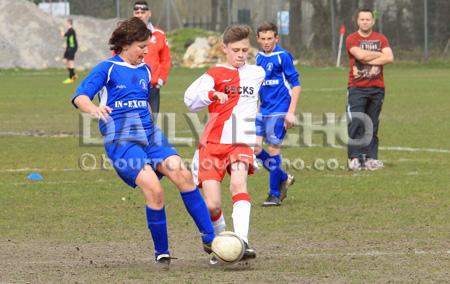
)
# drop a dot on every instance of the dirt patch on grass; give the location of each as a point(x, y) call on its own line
point(311, 262)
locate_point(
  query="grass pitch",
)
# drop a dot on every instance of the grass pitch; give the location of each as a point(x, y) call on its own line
point(335, 226)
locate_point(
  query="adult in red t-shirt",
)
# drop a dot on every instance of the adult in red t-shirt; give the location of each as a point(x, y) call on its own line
point(368, 51)
point(158, 55)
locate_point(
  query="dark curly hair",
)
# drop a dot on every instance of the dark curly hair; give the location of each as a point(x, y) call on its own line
point(127, 32)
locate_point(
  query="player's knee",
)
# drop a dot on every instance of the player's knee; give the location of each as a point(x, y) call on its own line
point(158, 201)
point(154, 197)
point(185, 177)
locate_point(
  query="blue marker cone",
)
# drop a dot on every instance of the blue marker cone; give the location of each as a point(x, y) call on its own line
point(35, 176)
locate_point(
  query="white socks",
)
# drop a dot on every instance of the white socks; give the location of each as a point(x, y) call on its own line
point(241, 218)
point(219, 224)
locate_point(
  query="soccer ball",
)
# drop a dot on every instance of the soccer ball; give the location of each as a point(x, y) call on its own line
point(228, 247)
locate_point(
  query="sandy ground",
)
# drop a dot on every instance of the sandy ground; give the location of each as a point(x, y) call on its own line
point(308, 262)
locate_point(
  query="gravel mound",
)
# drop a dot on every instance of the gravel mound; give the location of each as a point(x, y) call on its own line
point(30, 38)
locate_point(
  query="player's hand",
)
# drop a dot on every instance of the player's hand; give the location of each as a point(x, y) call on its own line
point(289, 120)
point(221, 97)
point(160, 83)
point(101, 112)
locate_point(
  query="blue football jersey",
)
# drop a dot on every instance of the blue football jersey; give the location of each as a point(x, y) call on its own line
point(281, 77)
point(125, 89)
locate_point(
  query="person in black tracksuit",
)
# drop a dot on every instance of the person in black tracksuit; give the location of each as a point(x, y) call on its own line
point(368, 51)
point(71, 49)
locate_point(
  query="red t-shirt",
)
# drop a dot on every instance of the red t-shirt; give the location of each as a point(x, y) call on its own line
point(364, 75)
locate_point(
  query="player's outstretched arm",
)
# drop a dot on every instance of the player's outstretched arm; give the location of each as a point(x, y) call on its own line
point(387, 56)
point(85, 104)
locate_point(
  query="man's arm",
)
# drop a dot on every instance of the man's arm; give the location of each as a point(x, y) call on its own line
point(387, 56)
point(364, 56)
point(164, 63)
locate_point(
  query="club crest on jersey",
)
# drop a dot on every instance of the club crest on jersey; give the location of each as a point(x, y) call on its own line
point(143, 84)
point(270, 66)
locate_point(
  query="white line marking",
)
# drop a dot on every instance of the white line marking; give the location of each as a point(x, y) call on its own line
point(36, 169)
point(40, 74)
point(101, 180)
point(182, 140)
point(391, 148)
point(325, 90)
point(409, 149)
point(47, 170)
point(35, 134)
point(53, 182)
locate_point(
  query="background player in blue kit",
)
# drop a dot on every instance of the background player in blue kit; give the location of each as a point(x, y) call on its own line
point(139, 151)
point(278, 101)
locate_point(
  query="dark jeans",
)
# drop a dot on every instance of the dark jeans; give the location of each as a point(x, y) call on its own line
point(362, 101)
point(154, 102)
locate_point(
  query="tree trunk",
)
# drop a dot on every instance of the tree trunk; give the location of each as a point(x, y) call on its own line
point(214, 14)
point(321, 25)
point(346, 14)
point(295, 25)
point(223, 15)
point(417, 17)
point(368, 4)
point(439, 22)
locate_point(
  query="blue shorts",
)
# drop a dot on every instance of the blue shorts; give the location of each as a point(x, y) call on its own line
point(130, 157)
point(271, 127)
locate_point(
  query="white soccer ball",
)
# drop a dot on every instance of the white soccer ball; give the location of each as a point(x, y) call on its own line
point(228, 247)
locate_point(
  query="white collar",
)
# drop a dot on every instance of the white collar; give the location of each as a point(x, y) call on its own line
point(150, 27)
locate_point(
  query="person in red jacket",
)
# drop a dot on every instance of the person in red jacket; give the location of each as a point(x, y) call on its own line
point(158, 56)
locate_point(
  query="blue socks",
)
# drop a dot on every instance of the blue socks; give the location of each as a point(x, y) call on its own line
point(156, 220)
point(274, 165)
point(264, 156)
point(196, 206)
point(277, 175)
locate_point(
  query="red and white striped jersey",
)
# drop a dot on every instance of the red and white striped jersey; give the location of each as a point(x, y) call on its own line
point(234, 121)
